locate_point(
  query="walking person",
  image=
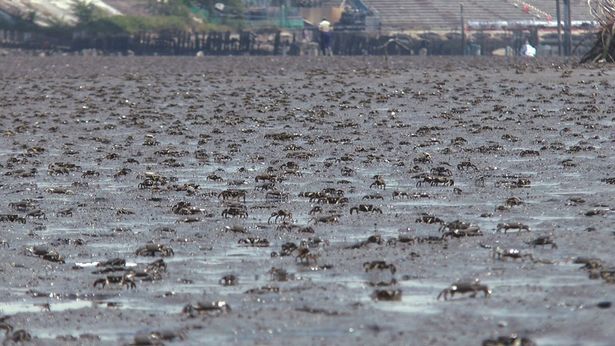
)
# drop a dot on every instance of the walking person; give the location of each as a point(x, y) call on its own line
point(325, 36)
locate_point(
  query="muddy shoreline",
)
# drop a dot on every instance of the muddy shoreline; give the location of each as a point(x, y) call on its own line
point(219, 164)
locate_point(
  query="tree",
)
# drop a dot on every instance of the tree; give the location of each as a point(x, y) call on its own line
point(604, 48)
point(84, 11)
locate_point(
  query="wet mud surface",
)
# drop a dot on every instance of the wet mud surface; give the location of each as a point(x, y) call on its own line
point(306, 201)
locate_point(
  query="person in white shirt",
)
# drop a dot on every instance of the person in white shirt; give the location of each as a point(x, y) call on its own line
point(527, 50)
point(325, 36)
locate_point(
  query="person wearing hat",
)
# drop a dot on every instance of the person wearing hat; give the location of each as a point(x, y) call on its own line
point(325, 36)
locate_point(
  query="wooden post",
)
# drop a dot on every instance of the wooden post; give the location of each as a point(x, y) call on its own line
point(463, 32)
point(559, 27)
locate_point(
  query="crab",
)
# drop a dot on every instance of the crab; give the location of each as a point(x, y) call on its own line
point(280, 274)
point(315, 210)
point(423, 158)
point(265, 187)
point(122, 172)
point(280, 215)
point(239, 210)
point(44, 253)
point(326, 219)
point(332, 200)
point(543, 241)
point(379, 265)
point(211, 309)
point(512, 225)
point(276, 196)
point(472, 287)
point(372, 239)
point(65, 212)
point(19, 336)
point(156, 338)
point(378, 182)
point(503, 254)
point(304, 256)
point(513, 201)
point(37, 214)
point(596, 212)
point(272, 178)
point(400, 194)
point(373, 196)
point(387, 295)
point(24, 205)
point(457, 224)
point(288, 249)
point(236, 229)
point(229, 280)
point(470, 231)
point(90, 173)
point(5, 325)
point(442, 181)
point(512, 340)
point(365, 208)
point(254, 242)
point(127, 280)
point(429, 219)
point(12, 218)
point(232, 194)
point(214, 177)
point(60, 191)
point(152, 249)
point(441, 171)
point(185, 208)
point(434, 181)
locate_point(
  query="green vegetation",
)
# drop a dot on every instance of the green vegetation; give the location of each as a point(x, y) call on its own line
point(166, 15)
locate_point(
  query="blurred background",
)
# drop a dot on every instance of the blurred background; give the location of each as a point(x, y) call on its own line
point(289, 27)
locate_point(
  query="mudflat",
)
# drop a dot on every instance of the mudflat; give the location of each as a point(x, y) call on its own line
point(335, 200)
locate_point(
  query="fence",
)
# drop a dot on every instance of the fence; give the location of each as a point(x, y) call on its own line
point(246, 43)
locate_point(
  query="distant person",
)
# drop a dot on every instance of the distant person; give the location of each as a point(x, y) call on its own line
point(325, 36)
point(527, 50)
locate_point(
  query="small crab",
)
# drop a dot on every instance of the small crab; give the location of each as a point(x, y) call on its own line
point(280, 215)
point(400, 194)
point(152, 249)
point(378, 182)
point(428, 219)
point(373, 196)
point(326, 219)
point(472, 287)
point(37, 214)
point(512, 225)
point(379, 265)
point(315, 210)
point(44, 253)
point(387, 295)
point(503, 254)
point(65, 212)
point(213, 309)
point(365, 208)
point(512, 340)
point(464, 165)
point(19, 336)
point(239, 210)
point(471, 231)
point(513, 201)
point(543, 241)
point(12, 218)
point(229, 280)
point(233, 194)
point(304, 256)
point(255, 242)
point(121, 280)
